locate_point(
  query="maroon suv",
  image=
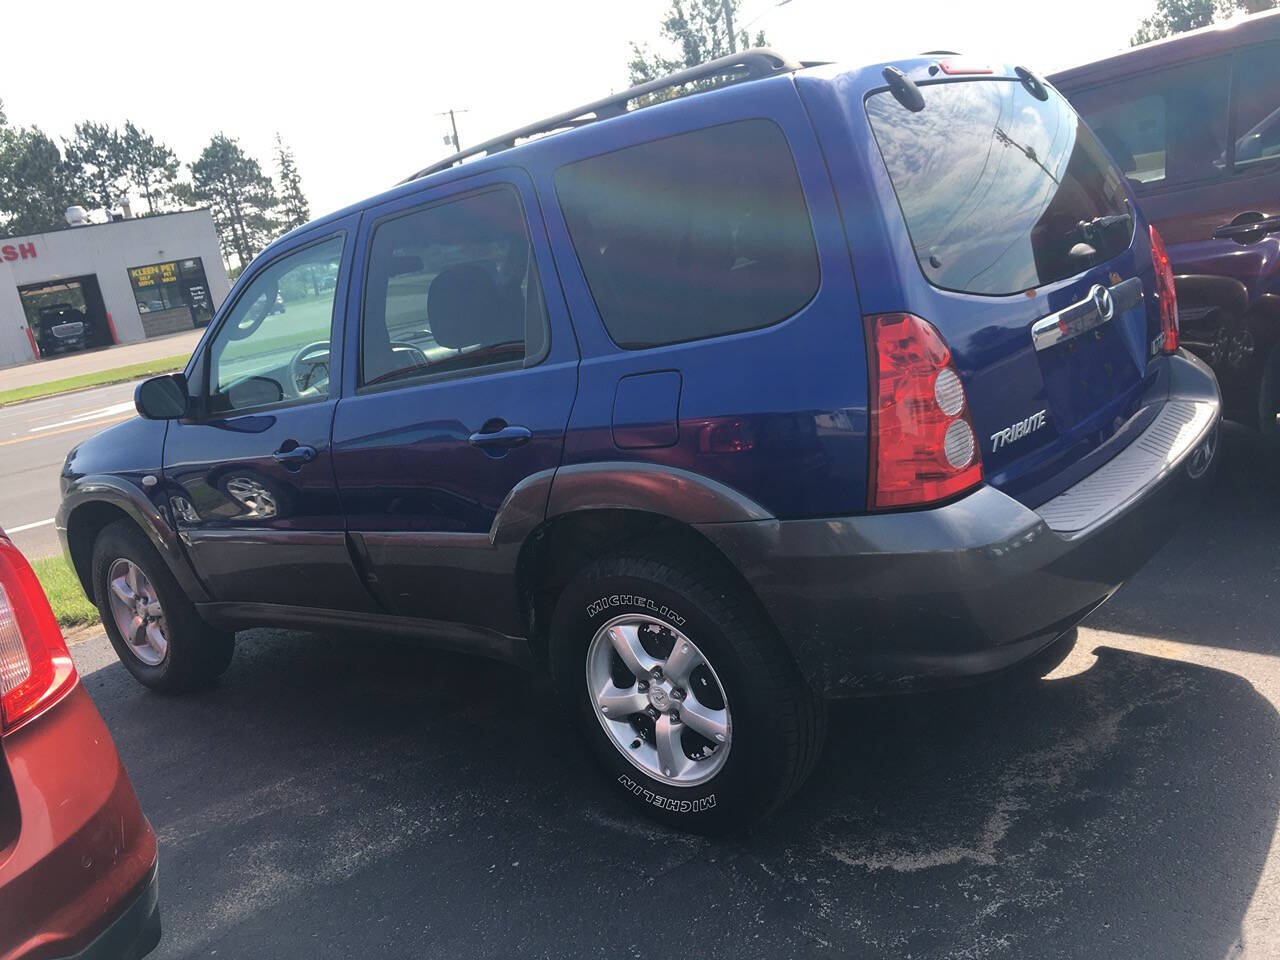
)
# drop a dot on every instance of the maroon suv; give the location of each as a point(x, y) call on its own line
point(1194, 122)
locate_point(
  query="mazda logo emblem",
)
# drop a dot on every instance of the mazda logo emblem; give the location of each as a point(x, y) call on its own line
point(1102, 301)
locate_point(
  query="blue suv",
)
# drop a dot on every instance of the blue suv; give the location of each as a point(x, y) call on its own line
point(813, 382)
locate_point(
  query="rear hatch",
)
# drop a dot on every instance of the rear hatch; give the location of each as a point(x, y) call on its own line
point(1025, 238)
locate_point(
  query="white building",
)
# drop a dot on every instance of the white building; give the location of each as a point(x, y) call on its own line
point(128, 280)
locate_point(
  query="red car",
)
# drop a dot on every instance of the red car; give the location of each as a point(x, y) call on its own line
point(77, 857)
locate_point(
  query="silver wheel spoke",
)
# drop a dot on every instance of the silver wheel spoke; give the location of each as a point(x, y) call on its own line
point(156, 639)
point(684, 658)
point(618, 704)
point(153, 610)
point(120, 587)
point(712, 724)
point(138, 631)
point(626, 643)
point(671, 758)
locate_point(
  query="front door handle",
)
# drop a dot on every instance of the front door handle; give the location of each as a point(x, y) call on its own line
point(504, 437)
point(295, 455)
point(1239, 228)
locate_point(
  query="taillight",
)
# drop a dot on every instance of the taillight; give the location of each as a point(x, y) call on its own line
point(923, 447)
point(1166, 295)
point(35, 668)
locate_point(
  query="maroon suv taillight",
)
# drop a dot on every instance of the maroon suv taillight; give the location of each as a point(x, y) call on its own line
point(35, 668)
point(923, 447)
point(1166, 295)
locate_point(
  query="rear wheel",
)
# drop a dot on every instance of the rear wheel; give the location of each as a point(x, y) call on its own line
point(154, 628)
point(684, 691)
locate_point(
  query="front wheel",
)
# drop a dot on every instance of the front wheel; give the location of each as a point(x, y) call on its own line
point(684, 691)
point(154, 628)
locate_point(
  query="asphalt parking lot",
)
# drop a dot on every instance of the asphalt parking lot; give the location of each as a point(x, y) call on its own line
point(337, 797)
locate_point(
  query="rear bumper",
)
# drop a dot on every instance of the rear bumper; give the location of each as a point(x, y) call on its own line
point(133, 934)
point(898, 601)
point(84, 856)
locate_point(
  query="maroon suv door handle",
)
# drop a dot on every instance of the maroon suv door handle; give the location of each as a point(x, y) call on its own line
point(505, 437)
point(1249, 228)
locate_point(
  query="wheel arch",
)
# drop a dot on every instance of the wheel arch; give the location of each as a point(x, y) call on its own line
point(594, 509)
point(96, 502)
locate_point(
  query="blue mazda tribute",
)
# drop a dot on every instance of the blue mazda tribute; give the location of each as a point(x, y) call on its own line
point(758, 385)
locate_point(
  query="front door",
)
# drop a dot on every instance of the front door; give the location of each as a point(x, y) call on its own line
point(251, 475)
point(467, 373)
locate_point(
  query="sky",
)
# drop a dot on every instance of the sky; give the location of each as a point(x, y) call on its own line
point(357, 89)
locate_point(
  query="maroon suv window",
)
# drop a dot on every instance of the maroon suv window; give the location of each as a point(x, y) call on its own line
point(1001, 192)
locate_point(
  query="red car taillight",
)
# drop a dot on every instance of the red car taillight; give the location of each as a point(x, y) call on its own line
point(923, 447)
point(35, 668)
point(1166, 295)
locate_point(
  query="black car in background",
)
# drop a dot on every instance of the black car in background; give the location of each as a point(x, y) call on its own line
point(62, 328)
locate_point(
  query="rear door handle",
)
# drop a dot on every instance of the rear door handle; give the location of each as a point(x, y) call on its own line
point(294, 456)
point(504, 437)
point(1233, 230)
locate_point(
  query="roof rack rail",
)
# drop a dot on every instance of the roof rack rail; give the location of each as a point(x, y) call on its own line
point(752, 64)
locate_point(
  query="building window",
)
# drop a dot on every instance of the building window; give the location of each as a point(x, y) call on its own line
point(171, 296)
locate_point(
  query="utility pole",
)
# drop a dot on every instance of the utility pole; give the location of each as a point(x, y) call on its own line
point(453, 124)
point(727, 5)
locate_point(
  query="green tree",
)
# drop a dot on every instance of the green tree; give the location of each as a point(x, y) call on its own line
point(151, 167)
point(240, 196)
point(97, 152)
point(1178, 16)
point(697, 31)
point(294, 209)
point(37, 184)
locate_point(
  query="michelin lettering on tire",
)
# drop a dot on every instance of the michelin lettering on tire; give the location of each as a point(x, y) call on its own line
point(634, 600)
point(667, 803)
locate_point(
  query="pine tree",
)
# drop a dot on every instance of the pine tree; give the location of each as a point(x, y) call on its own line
point(295, 211)
point(240, 196)
point(152, 168)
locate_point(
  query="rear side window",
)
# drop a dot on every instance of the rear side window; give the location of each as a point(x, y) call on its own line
point(1001, 192)
point(452, 288)
point(1257, 105)
point(692, 236)
point(1163, 128)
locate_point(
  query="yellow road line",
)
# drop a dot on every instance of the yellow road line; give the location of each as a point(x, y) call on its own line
point(92, 425)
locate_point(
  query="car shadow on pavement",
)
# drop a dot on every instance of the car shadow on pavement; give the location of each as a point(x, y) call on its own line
point(333, 798)
point(1217, 582)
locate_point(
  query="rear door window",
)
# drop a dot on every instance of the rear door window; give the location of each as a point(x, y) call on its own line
point(1001, 192)
point(1257, 106)
point(1163, 128)
point(452, 288)
point(692, 236)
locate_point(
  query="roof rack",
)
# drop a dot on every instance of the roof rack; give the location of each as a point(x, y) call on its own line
point(752, 64)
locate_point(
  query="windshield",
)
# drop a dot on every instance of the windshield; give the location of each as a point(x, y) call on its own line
point(1001, 192)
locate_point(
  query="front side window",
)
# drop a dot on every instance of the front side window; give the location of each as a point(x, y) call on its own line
point(1001, 192)
point(1164, 128)
point(452, 287)
point(1257, 106)
point(692, 236)
point(274, 345)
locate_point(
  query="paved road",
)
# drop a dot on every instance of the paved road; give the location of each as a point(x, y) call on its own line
point(335, 797)
point(34, 440)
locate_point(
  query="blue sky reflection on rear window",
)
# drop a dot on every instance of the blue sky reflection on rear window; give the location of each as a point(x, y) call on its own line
point(994, 183)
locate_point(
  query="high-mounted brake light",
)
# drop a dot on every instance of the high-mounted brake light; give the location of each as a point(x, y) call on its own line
point(35, 668)
point(959, 68)
point(923, 446)
point(1166, 294)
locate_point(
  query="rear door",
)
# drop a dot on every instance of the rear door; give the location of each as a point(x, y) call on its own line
point(251, 477)
point(1030, 264)
point(465, 373)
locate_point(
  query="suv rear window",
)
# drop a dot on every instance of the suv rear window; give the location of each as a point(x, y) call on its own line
point(692, 236)
point(1001, 192)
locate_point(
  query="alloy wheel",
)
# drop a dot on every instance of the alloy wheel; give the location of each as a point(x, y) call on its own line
point(659, 700)
point(137, 612)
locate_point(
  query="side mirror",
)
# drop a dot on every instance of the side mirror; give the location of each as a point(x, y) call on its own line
point(162, 398)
